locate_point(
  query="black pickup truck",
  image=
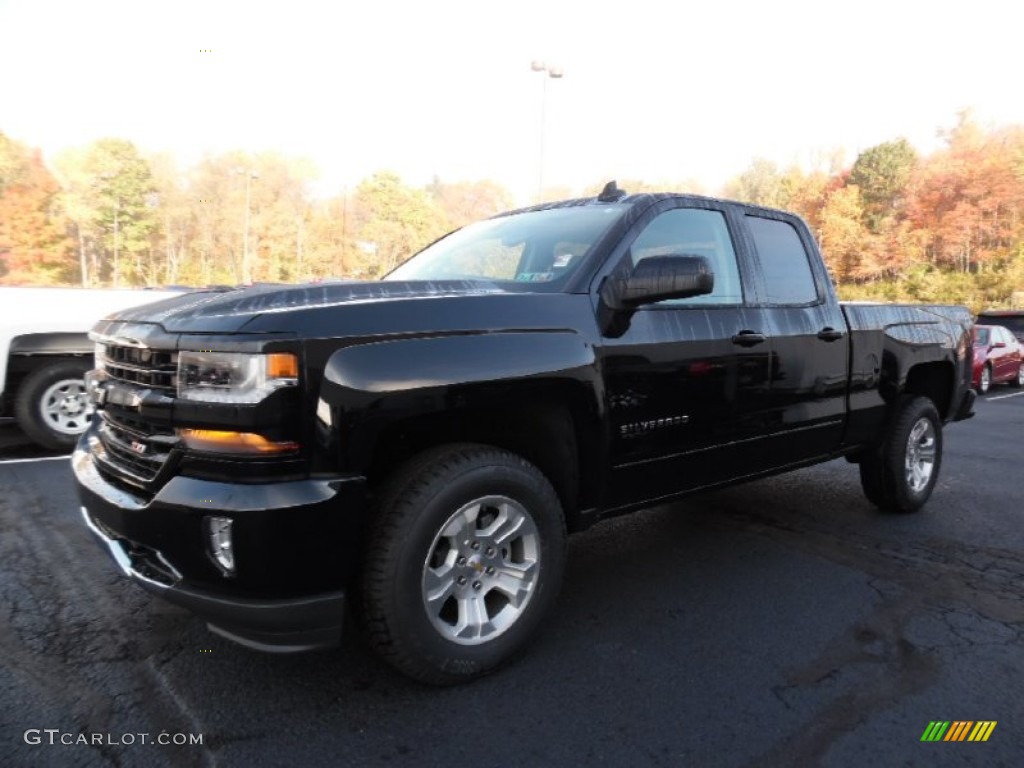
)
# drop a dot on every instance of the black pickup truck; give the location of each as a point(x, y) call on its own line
point(417, 448)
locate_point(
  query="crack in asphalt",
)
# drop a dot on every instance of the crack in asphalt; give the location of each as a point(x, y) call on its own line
point(958, 583)
point(62, 620)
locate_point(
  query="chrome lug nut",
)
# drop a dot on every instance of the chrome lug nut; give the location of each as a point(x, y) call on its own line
point(490, 570)
point(475, 545)
point(461, 560)
point(462, 581)
point(477, 585)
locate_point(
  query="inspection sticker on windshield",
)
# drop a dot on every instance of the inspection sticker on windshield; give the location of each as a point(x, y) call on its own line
point(534, 277)
point(562, 261)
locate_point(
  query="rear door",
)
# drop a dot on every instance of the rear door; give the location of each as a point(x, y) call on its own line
point(810, 343)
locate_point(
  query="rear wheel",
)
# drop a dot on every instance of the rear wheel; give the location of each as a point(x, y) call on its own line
point(52, 405)
point(464, 558)
point(899, 475)
point(1019, 381)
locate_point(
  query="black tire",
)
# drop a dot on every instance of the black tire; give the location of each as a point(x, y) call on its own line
point(985, 382)
point(1018, 381)
point(884, 472)
point(405, 537)
point(38, 406)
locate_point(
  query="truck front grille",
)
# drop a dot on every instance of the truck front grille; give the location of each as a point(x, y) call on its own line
point(148, 368)
point(132, 451)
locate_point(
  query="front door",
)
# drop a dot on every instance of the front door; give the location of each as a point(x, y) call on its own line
point(687, 379)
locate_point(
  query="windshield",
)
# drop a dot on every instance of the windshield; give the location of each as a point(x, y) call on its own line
point(535, 250)
point(1014, 322)
point(981, 336)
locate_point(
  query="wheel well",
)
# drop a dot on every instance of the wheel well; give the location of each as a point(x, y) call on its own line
point(543, 433)
point(934, 381)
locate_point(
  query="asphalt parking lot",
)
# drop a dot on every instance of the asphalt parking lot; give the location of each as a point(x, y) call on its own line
point(780, 623)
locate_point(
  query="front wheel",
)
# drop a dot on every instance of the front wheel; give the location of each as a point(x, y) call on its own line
point(465, 556)
point(52, 406)
point(900, 475)
point(985, 380)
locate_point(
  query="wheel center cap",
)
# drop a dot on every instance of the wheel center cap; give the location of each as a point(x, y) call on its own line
point(475, 562)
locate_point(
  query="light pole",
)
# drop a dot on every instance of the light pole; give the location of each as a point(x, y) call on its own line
point(554, 73)
point(246, 266)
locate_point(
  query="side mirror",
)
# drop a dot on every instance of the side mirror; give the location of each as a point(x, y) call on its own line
point(657, 278)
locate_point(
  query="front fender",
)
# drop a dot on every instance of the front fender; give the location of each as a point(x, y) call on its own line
point(369, 387)
point(422, 363)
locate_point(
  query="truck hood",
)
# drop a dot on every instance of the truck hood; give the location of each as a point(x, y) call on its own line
point(238, 310)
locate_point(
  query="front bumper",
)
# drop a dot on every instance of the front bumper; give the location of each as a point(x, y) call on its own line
point(295, 551)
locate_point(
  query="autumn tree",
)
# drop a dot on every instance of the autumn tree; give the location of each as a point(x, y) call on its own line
point(843, 235)
point(967, 199)
point(281, 217)
point(34, 247)
point(172, 235)
point(333, 251)
point(464, 202)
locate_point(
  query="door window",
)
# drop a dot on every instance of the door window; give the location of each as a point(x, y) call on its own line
point(694, 232)
point(787, 272)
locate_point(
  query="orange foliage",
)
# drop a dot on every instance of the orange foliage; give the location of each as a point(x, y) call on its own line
point(34, 246)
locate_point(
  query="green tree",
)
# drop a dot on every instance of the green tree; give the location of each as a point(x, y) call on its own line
point(125, 197)
point(392, 221)
point(882, 173)
point(761, 184)
point(111, 199)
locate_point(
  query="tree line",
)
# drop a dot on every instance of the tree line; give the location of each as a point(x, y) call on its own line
point(895, 225)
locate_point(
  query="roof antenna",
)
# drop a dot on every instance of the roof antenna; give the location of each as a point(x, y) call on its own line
point(611, 193)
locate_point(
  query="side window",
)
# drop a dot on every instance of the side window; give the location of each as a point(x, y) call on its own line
point(787, 272)
point(694, 232)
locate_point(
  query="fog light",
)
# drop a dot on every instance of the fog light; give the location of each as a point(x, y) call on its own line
point(218, 529)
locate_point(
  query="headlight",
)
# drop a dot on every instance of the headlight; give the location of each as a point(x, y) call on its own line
point(234, 377)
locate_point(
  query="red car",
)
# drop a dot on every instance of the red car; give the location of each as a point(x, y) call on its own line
point(998, 357)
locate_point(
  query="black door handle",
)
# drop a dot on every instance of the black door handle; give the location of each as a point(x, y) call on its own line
point(748, 338)
point(829, 333)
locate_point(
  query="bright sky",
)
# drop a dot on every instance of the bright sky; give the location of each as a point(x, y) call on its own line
point(656, 90)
